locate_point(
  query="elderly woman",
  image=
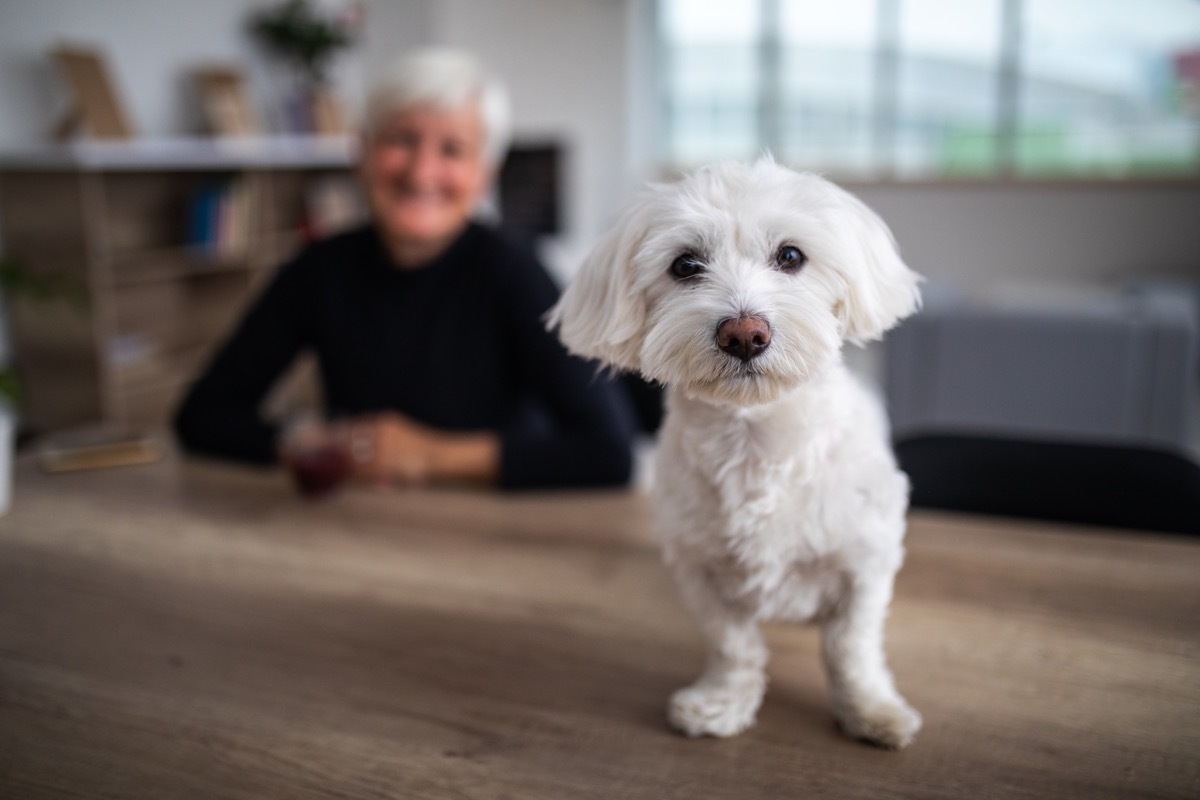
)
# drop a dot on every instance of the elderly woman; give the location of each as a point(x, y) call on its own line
point(434, 362)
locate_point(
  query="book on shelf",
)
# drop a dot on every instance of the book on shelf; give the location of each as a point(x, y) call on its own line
point(219, 220)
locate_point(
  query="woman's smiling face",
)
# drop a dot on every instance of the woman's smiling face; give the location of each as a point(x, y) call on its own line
point(425, 173)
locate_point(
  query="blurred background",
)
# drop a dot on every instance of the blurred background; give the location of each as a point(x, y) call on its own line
point(1037, 160)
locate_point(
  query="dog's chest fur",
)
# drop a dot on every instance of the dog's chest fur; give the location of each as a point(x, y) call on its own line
point(774, 500)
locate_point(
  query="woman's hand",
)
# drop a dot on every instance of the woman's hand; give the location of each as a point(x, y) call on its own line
point(390, 448)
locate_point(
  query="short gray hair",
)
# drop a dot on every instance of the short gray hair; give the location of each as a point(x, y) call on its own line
point(445, 78)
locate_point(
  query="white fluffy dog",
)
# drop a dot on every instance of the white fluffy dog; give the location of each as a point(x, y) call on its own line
point(777, 493)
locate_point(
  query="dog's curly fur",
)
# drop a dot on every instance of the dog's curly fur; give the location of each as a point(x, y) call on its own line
point(777, 493)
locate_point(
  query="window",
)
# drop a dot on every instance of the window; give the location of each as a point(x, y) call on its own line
point(920, 88)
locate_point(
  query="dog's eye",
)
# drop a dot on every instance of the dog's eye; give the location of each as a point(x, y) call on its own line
point(686, 266)
point(790, 258)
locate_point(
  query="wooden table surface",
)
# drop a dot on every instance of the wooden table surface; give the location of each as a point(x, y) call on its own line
point(193, 630)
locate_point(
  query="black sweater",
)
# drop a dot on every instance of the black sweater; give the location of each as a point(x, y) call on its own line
point(458, 344)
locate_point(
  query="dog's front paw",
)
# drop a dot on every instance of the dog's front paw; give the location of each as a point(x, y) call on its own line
point(888, 723)
point(724, 709)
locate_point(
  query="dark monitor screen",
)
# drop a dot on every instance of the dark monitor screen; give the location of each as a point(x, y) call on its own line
point(529, 189)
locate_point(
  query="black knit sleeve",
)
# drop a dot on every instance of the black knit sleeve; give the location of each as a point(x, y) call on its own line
point(589, 442)
point(220, 416)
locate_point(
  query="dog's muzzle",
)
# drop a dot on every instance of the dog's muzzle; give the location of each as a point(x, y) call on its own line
point(744, 338)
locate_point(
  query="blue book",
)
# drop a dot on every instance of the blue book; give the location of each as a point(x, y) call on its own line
point(203, 219)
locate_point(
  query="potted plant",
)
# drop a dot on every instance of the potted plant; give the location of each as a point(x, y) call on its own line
point(307, 40)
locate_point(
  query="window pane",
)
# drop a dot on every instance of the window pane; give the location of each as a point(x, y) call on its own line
point(827, 84)
point(946, 108)
point(915, 87)
point(712, 79)
point(1102, 91)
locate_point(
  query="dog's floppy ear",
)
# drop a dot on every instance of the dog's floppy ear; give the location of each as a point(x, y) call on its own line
point(599, 315)
point(880, 289)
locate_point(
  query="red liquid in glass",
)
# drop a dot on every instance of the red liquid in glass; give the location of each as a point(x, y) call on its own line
point(319, 471)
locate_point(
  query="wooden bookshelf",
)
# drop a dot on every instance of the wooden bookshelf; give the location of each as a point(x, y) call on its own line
point(119, 222)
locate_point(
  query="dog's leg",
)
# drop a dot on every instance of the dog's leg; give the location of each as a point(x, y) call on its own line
point(726, 697)
point(865, 699)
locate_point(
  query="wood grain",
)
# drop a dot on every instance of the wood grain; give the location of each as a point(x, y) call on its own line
point(192, 630)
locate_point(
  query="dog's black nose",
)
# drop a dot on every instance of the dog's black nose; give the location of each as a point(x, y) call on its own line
point(744, 337)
